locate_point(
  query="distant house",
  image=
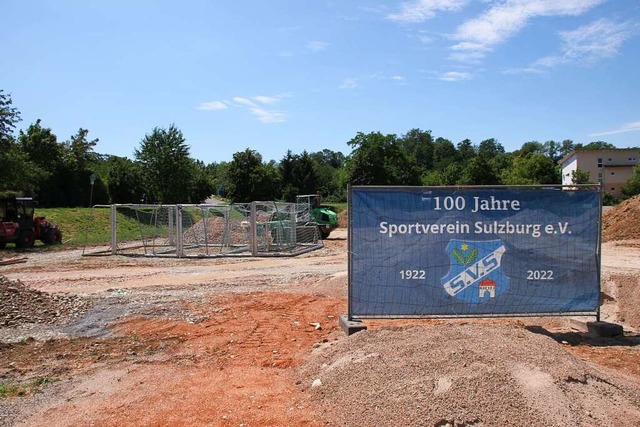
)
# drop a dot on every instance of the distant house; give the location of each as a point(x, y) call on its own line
point(611, 167)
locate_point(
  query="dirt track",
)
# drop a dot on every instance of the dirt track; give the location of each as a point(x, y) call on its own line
point(231, 342)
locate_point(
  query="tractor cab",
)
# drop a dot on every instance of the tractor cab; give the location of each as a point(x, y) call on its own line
point(18, 210)
point(19, 225)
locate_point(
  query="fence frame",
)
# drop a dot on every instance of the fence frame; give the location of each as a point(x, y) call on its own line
point(350, 317)
point(176, 246)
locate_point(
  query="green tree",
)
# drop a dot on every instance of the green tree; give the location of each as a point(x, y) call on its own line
point(580, 176)
point(490, 148)
point(533, 168)
point(452, 174)
point(81, 148)
point(17, 174)
point(479, 172)
point(298, 175)
point(380, 160)
point(466, 150)
point(557, 150)
point(599, 145)
point(632, 187)
point(419, 145)
point(530, 148)
point(79, 163)
point(166, 166)
point(335, 159)
point(41, 145)
point(9, 117)
point(249, 179)
point(203, 183)
point(219, 176)
point(444, 153)
point(55, 183)
point(124, 180)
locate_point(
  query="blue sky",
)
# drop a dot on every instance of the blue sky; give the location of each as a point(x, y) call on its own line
point(306, 75)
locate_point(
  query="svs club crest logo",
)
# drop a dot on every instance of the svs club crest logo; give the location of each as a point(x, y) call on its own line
point(475, 274)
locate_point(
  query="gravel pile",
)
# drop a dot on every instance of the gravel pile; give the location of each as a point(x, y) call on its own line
point(20, 304)
point(623, 221)
point(464, 375)
point(213, 231)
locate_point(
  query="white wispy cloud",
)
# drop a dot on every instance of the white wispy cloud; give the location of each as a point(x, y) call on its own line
point(349, 83)
point(628, 127)
point(213, 105)
point(317, 46)
point(285, 54)
point(587, 45)
point(267, 99)
point(455, 76)
point(401, 80)
point(591, 43)
point(525, 70)
point(245, 102)
point(256, 105)
point(506, 18)
point(422, 10)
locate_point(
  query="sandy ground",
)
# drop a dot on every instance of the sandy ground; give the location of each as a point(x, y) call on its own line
point(239, 342)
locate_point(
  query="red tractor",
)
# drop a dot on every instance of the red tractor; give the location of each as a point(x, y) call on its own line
point(18, 225)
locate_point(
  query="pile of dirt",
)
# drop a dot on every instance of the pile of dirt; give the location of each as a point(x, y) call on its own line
point(212, 230)
point(464, 375)
point(20, 304)
point(343, 218)
point(627, 295)
point(623, 221)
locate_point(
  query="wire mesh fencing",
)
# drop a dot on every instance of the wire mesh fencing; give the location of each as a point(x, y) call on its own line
point(251, 229)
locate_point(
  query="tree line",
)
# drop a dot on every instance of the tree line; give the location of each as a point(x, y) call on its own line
point(58, 173)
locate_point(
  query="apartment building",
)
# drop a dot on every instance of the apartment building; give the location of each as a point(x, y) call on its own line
point(611, 167)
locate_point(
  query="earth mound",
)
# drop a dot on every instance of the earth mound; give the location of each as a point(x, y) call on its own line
point(622, 222)
point(464, 375)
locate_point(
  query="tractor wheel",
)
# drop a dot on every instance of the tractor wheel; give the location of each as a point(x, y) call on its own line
point(26, 239)
point(54, 237)
point(324, 233)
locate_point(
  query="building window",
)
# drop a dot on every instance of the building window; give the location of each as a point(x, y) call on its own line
point(599, 162)
point(613, 188)
point(613, 173)
point(609, 159)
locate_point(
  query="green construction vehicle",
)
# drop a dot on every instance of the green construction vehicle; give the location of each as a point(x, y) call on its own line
point(324, 217)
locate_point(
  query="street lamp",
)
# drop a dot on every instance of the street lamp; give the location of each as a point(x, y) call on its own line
point(92, 179)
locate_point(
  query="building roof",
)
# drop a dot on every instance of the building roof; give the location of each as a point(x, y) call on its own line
point(563, 160)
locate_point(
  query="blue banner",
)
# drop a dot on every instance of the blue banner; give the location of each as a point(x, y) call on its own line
point(418, 251)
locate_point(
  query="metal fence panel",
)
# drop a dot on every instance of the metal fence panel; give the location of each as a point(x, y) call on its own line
point(251, 229)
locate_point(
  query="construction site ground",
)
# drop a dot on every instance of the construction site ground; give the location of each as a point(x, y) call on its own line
point(256, 342)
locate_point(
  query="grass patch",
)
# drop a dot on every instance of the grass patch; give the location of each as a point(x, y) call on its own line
point(93, 226)
point(8, 390)
point(12, 389)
